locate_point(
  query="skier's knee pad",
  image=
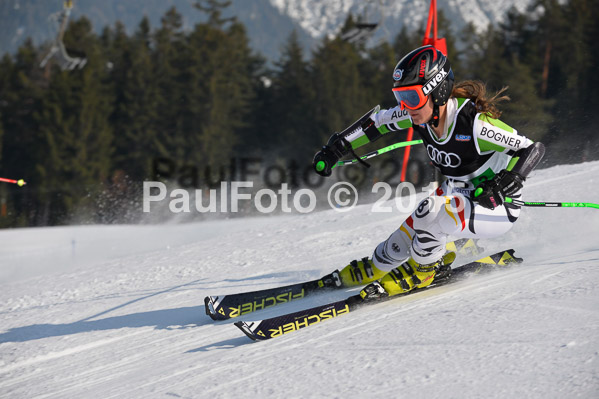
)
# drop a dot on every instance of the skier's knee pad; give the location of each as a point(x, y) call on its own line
point(441, 215)
point(427, 212)
point(435, 218)
point(452, 218)
point(393, 251)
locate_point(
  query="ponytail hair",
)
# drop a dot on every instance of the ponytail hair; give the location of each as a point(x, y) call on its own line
point(476, 91)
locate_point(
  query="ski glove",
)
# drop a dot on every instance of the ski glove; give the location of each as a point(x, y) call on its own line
point(492, 193)
point(325, 159)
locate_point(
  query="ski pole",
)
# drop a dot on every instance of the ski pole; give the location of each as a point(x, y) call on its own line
point(552, 204)
point(378, 152)
point(544, 204)
point(19, 182)
point(320, 165)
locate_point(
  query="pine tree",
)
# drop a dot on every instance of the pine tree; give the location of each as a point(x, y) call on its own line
point(341, 96)
point(377, 75)
point(77, 136)
point(1, 134)
point(568, 36)
point(498, 64)
point(21, 83)
point(136, 108)
point(292, 126)
point(445, 31)
point(168, 58)
point(232, 91)
point(405, 42)
point(222, 76)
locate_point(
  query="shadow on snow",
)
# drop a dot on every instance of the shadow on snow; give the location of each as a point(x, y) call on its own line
point(165, 319)
point(178, 318)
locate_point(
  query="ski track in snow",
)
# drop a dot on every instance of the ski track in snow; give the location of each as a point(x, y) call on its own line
point(117, 311)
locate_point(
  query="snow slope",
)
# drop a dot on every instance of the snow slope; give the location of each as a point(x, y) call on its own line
point(117, 311)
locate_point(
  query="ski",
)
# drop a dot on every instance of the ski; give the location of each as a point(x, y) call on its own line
point(284, 324)
point(225, 307)
point(229, 306)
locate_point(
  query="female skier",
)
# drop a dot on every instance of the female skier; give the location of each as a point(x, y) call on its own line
point(483, 159)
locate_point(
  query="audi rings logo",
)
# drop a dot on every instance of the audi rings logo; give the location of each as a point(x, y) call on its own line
point(447, 159)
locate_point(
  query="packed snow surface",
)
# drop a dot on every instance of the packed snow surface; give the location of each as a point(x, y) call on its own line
point(117, 311)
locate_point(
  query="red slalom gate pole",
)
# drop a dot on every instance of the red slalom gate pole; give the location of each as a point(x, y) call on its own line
point(19, 182)
point(439, 44)
point(406, 156)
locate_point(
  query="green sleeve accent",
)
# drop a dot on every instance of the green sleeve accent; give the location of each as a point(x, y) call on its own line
point(486, 175)
point(486, 146)
point(404, 124)
point(383, 129)
point(363, 140)
point(359, 142)
point(496, 122)
point(513, 161)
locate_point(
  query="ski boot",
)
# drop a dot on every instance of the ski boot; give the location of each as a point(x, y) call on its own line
point(408, 276)
point(443, 271)
point(360, 272)
point(373, 292)
point(332, 280)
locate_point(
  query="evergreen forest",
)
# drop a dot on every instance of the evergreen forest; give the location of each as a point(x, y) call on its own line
point(183, 106)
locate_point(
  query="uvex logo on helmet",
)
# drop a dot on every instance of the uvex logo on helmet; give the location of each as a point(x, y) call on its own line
point(434, 82)
point(422, 68)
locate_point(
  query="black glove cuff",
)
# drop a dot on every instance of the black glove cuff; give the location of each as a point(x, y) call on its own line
point(337, 145)
point(509, 182)
point(529, 159)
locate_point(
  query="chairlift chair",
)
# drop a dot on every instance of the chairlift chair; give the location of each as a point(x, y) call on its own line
point(58, 50)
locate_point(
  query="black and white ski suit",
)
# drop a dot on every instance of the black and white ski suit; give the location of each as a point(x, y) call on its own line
point(474, 148)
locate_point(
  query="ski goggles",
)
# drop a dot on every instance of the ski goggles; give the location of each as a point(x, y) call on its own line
point(411, 97)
